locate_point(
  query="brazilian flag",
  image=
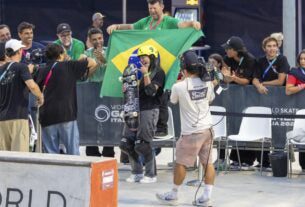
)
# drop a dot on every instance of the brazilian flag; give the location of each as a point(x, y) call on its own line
point(122, 44)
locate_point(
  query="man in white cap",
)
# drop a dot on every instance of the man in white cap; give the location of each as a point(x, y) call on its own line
point(15, 81)
point(97, 20)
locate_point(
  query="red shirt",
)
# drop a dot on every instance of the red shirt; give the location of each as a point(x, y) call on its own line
point(293, 80)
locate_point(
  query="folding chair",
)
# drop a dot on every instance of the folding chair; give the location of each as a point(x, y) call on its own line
point(220, 129)
point(295, 139)
point(252, 129)
point(171, 131)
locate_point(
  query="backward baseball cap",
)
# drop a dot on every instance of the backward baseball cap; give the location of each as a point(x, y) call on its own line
point(190, 58)
point(14, 44)
point(97, 15)
point(63, 27)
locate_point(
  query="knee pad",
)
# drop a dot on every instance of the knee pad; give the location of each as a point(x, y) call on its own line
point(144, 148)
point(128, 147)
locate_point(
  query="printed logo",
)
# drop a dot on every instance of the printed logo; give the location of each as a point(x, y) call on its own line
point(102, 113)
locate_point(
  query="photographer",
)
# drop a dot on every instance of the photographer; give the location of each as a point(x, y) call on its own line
point(15, 83)
point(194, 95)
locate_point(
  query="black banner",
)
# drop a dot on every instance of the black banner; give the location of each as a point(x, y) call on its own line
point(100, 121)
point(237, 98)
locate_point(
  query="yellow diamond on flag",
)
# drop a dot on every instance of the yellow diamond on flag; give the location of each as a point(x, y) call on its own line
point(192, 2)
point(166, 58)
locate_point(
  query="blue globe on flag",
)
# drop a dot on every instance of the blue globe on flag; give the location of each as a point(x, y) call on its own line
point(134, 59)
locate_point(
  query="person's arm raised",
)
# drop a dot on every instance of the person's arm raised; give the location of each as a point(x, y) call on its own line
point(114, 27)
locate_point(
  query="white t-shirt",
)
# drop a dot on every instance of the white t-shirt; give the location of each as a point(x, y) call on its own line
point(194, 97)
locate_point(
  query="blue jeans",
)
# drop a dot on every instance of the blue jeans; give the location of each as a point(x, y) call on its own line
point(66, 133)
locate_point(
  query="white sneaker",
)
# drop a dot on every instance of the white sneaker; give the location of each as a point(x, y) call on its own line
point(146, 179)
point(134, 178)
point(201, 202)
point(168, 198)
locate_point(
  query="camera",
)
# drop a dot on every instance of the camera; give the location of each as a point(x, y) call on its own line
point(214, 72)
point(36, 57)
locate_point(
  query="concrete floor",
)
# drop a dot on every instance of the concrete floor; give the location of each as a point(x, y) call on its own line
point(234, 189)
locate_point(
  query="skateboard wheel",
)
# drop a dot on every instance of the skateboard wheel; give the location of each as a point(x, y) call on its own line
point(134, 83)
point(135, 114)
point(133, 77)
point(120, 78)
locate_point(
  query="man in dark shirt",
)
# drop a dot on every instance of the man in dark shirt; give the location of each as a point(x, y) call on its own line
point(15, 80)
point(271, 69)
point(26, 35)
point(239, 63)
point(238, 69)
point(58, 116)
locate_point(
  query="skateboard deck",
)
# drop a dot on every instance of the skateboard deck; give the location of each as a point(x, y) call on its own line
point(131, 96)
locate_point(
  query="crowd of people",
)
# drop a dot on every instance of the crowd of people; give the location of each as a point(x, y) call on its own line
point(66, 61)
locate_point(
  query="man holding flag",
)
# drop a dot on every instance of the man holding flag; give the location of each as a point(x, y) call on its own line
point(157, 20)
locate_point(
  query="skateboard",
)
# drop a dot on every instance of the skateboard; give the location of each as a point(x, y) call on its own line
point(131, 97)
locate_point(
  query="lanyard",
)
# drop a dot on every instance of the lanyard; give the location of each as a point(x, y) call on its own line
point(241, 61)
point(268, 68)
point(302, 70)
point(238, 69)
point(8, 67)
point(155, 26)
point(48, 77)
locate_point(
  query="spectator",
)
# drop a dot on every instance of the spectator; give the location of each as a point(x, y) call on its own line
point(58, 115)
point(5, 33)
point(238, 68)
point(194, 96)
point(97, 22)
point(15, 80)
point(157, 21)
point(216, 62)
point(97, 52)
point(279, 38)
point(295, 84)
point(139, 143)
point(270, 70)
point(26, 35)
point(73, 47)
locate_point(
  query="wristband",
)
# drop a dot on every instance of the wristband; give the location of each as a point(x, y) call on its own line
point(146, 74)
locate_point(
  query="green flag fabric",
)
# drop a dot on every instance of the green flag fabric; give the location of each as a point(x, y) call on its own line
point(122, 44)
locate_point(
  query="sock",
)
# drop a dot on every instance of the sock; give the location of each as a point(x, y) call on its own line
point(207, 192)
point(175, 189)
